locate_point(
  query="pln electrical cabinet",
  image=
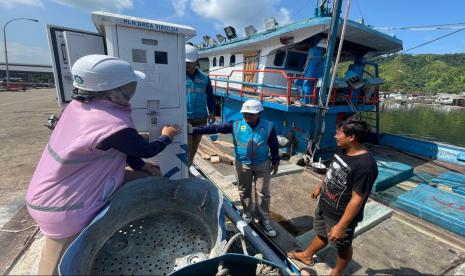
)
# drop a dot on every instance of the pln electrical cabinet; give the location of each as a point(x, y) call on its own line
point(153, 47)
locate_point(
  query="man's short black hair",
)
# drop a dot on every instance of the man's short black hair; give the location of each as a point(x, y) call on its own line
point(357, 128)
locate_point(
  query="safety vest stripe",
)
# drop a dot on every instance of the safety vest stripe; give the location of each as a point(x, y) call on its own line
point(56, 208)
point(64, 161)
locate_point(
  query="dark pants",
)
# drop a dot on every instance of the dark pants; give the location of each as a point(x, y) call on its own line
point(322, 224)
point(193, 140)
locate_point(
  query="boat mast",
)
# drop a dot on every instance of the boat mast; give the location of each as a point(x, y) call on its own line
point(322, 10)
point(322, 109)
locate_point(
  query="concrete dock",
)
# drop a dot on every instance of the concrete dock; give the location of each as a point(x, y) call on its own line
point(393, 242)
point(22, 140)
point(388, 241)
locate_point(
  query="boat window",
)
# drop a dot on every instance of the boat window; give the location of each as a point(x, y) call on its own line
point(221, 62)
point(296, 61)
point(232, 60)
point(279, 58)
point(214, 61)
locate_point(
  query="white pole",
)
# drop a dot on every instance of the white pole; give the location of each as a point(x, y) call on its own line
point(6, 51)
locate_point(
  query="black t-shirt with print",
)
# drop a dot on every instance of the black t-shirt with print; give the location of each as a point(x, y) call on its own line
point(345, 175)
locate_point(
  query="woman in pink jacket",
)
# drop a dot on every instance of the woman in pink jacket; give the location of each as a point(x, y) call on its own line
point(84, 161)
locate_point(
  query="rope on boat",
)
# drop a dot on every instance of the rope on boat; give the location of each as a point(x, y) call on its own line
point(264, 269)
point(222, 270)
point(261, 270)
point(232, 240)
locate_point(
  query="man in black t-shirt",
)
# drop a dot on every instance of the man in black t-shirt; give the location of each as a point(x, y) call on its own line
point(343, 194)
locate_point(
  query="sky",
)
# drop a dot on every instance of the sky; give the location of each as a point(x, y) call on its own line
point(27, 41)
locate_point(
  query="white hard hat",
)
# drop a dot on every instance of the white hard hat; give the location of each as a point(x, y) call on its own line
point(192, 55)
point(102, 72)
point(252, 106)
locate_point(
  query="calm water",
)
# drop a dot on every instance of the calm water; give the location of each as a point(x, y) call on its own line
point(444, 124)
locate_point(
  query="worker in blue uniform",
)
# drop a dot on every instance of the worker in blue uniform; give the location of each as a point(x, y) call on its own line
point(257, 156)
point(200, 99)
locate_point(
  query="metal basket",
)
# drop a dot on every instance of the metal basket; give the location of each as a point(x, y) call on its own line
point(151, 226)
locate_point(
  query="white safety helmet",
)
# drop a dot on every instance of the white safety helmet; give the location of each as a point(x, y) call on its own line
point(102, 72)
point(192, 54)
point(252, 106)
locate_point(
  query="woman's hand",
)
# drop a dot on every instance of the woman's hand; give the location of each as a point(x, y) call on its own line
point(171, 130)
point(152, 169)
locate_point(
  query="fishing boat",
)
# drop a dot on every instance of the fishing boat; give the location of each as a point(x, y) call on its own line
point(291, 69)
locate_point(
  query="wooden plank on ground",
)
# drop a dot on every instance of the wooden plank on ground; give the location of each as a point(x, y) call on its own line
point(203, 154)
point(224, 144)
point(226, 160)
point(14, 244)
point(208, 150)
point(215, 151)
point(228, 157)
point(215, 159)
point(208, 143)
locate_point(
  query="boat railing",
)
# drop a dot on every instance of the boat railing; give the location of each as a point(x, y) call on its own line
point(292, 93)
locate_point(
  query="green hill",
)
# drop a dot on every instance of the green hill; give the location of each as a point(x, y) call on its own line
point(428, 74)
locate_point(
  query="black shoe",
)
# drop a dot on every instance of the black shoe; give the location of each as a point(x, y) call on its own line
point(268, 229)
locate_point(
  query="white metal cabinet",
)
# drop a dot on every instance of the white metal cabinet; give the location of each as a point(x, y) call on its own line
point(153, 47)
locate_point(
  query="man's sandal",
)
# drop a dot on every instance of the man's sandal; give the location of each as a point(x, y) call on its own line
point(305, 262)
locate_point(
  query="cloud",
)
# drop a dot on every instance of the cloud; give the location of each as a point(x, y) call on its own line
point(285, 16)
point(12, 3)
point(219, 27)
point(101, 5)
point(20, 53)
point(88, 5)
point(241, 13)
point(179, 6)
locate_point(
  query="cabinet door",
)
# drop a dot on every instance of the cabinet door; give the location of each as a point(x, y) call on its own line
point(66, 46)
point(82, 44)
